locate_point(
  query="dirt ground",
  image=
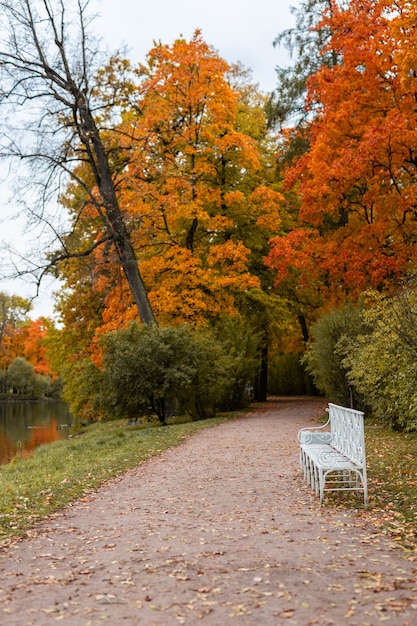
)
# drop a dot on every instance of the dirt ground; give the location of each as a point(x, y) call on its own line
point(220, 530)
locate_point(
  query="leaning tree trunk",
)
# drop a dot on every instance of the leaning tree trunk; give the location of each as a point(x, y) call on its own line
point(90, 137)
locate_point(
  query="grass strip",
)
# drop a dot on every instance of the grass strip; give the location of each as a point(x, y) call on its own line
point(392, 475)
point(63, 471)
point(392, 484)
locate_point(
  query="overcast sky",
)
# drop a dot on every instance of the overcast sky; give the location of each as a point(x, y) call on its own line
point(240, 30)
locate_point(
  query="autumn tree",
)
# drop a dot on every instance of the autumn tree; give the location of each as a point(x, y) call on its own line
point(51, 86)
point(192, 192)
point(288, 115)
point(202, 197)
point(35, 346)
point(21, 376)
point(357, 182)
point(199, 201)
point(13, 315)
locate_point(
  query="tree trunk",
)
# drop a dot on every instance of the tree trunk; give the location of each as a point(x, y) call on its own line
point(261, 383)
point(97, 156)
point(303, 325)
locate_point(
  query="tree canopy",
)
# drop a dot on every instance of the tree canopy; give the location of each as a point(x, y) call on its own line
point(356, 182)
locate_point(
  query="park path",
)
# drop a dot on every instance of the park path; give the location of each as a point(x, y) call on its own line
point(218, 531)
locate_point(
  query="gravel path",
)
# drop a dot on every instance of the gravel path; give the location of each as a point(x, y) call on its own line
point(220, 530)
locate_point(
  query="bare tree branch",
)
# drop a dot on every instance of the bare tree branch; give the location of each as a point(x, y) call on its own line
point(54, 116)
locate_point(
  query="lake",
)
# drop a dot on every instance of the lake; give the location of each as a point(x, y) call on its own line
point(26, 425)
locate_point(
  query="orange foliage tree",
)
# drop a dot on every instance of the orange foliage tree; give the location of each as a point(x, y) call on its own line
point(194, 165)
point(357, 183)
point(35, 350)
point(194, 192)
point(193, 189)
point(21, 336)
point(13, 316)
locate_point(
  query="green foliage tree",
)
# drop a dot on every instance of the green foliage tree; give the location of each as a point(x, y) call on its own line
point(82, 390)
point(332, 337)
point(151, 371)
point(266, 317)
point(241, 341)
point(43, 386)
point(212, 379)
point(382, 365)
point(304, 44)
point(21, 376)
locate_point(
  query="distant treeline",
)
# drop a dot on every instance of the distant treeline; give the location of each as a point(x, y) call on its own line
point(21, 380)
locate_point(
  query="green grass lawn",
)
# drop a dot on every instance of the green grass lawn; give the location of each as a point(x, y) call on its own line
point(392, 484)
point(392, 478)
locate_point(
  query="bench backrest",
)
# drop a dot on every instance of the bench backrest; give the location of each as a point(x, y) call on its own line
point(348, 434)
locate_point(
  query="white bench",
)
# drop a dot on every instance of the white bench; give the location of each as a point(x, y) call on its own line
point(332, 456)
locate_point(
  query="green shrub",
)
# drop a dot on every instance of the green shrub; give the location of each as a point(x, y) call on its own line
point(147, 370)
point(383, 365)
point(208, 386)
point(167, 371)
point(333, 336)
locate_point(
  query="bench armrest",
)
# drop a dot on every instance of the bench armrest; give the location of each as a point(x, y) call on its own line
point(308, 437)
point(315, 434)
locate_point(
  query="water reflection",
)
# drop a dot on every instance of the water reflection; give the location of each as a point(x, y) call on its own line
point(26, 425)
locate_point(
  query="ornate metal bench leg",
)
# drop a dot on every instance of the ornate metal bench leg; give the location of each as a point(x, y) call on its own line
point(365, 493)
point(317, 480)
point(322, 482)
